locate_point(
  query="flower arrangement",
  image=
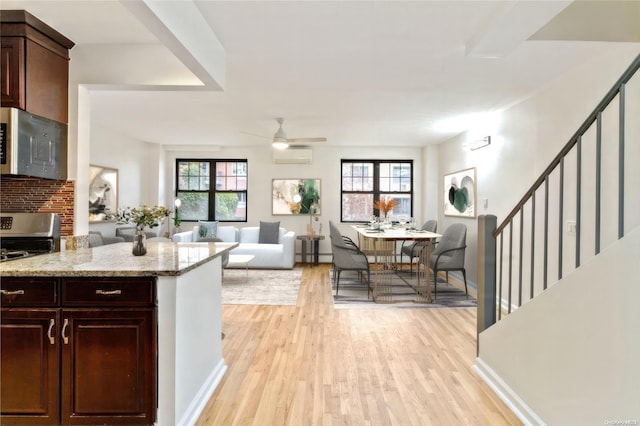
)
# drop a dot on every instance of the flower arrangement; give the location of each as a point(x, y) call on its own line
point(385, 206)
point(144, 216)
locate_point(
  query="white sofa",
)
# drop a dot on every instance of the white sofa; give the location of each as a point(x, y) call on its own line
point(267, 256)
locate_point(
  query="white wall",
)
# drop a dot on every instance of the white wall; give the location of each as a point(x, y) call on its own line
point(101, 67)
point(137, 163)
point(570, 356)
point(430, 173)
point(525, 138)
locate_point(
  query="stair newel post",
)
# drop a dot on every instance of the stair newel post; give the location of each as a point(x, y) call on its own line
point(487, 308)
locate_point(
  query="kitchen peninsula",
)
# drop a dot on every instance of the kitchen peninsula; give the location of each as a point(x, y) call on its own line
point(99, 336)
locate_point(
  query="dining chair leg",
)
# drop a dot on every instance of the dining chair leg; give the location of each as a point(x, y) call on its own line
point(368, 284)
point(435, 284)
point(464, 275)
point(337, 281)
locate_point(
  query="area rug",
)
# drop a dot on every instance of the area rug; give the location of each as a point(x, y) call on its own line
point(353, 294)
point(260, 287)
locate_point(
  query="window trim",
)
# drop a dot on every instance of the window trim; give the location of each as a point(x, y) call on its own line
point(212, 185)
point(376, 184)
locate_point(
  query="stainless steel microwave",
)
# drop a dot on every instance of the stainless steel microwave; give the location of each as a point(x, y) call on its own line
point(32, 145)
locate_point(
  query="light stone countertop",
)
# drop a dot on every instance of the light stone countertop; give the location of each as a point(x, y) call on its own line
point(113, 260)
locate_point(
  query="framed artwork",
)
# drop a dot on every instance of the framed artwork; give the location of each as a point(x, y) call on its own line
point(460, 193)
point(295, 196)
point(103, 193)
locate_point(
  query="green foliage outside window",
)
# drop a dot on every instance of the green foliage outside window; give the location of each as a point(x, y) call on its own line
point(226, 205)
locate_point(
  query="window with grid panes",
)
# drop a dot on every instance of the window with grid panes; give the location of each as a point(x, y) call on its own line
point(212, 189)
point(366, 181)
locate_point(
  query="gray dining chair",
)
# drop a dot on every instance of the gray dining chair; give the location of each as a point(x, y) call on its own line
point(347, 257)
point(448, 255)
point(414, 248)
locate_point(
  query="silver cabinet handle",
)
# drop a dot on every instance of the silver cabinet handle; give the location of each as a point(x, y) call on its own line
point(65, 339)
point(52, 322)
point(108, 292)
point(11, 292)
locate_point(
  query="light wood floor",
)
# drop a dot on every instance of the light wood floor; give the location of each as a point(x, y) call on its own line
point(313, 365)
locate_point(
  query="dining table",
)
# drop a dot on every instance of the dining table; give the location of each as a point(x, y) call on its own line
point(381, 242)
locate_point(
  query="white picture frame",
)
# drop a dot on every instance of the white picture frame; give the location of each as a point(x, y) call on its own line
point(460, 193)
point(103, 193)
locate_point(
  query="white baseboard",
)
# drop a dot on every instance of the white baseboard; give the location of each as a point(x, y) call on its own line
point(194, 410)
point(506, 394)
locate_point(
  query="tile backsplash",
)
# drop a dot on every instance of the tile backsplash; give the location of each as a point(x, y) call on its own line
point(36, 195)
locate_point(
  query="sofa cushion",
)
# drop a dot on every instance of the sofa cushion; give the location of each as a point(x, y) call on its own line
point(266, 255)
point(207, 229)
point(269, 233)
point(228, 234)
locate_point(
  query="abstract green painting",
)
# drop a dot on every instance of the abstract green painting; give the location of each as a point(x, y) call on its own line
point(460, 193)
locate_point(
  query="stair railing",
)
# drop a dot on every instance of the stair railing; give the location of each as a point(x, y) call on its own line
point(501, 284)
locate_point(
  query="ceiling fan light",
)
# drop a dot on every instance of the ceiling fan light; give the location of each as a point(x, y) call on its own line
point(279, 144)
point(280, 139)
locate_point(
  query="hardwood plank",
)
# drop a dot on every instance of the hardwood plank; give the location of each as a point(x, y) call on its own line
point(314, 365)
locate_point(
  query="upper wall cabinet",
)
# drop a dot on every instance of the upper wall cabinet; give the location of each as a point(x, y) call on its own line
point(35, 66)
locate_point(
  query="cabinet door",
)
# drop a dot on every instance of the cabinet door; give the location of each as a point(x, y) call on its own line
point(108, 366)
point(29, 366)
point(47, 82)
point(13, 73)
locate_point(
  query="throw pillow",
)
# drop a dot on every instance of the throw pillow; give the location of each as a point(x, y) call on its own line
point(207, 229)
point(269, 232)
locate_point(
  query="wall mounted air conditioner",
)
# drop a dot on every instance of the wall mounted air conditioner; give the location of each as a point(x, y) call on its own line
point(292, 156)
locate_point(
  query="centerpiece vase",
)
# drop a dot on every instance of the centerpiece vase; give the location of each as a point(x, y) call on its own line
point(139, 243)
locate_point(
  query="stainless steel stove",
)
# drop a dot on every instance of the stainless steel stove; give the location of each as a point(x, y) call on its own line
point(28, 234)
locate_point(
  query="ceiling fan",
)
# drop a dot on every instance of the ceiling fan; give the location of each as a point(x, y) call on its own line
point(280, 140)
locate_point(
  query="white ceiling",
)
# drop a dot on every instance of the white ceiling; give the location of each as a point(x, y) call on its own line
point(359, 73)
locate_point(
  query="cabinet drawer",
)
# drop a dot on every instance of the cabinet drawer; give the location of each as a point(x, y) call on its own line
point(29, 291)
point(113, 291)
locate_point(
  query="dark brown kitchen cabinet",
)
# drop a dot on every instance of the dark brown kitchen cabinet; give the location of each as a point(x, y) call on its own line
point(108, 366)
point(30, 366)
point(35, 66)
point(12, 76)
point(89, 345)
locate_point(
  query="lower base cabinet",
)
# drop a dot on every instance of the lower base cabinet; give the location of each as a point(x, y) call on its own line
point(106, 366)
point(29, 366)
point(91, 364)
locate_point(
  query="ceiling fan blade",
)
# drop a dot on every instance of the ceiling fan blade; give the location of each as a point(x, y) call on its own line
point(253, 134)
point(304, 140)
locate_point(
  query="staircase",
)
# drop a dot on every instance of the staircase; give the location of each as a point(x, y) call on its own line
point(557, 288)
